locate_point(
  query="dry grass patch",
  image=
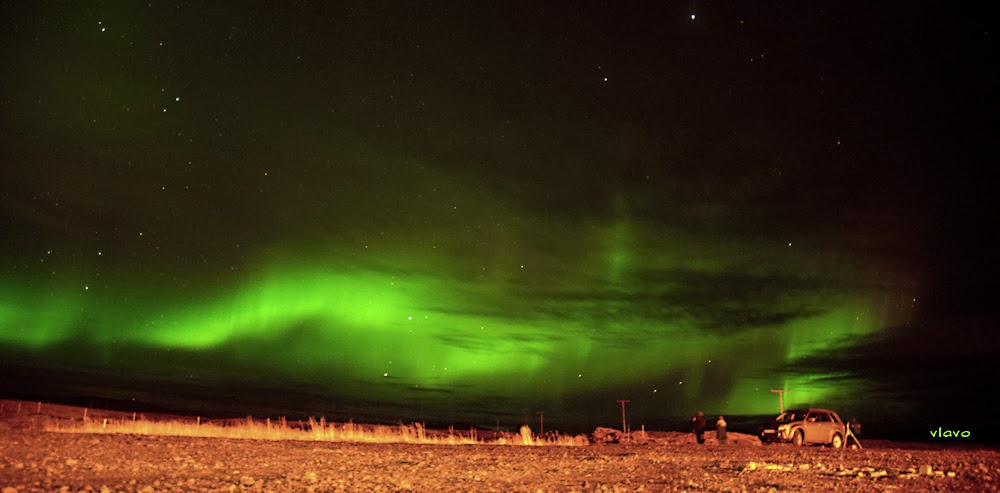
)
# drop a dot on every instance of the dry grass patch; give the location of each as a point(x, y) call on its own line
point(313, 430)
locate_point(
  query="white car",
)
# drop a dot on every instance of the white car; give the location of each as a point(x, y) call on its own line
point(806, 426)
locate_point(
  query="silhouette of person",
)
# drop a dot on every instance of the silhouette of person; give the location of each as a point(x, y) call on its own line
point(855, 427)
point(720, 430)
point(698, 427)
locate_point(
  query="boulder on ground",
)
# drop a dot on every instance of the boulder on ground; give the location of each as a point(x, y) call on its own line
point(605, 435)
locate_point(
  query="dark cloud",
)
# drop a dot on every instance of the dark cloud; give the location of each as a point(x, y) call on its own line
point(931, 366)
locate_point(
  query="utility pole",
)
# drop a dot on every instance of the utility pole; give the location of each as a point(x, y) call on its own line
point(781, 402)
point(623, 402)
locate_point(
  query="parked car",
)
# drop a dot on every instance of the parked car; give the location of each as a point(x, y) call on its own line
point(806, 426)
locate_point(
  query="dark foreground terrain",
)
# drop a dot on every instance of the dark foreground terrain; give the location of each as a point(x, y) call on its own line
point(45, 461)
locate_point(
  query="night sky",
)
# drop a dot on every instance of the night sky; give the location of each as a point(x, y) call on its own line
point(469, 213)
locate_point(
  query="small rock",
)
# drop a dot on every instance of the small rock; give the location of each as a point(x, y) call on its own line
point(72, 462)
point(246, 481)
point(10, 489)
point(951, 474)
point(926, 470)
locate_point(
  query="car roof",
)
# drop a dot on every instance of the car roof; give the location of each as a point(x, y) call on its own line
point(820, 410)
point(808, 410)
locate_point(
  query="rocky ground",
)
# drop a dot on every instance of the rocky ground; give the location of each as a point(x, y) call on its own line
point(32, 460)
point(45, 461)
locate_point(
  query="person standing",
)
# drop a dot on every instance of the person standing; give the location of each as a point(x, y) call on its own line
point(720, 430)
point(698, 427)
point(854, 426)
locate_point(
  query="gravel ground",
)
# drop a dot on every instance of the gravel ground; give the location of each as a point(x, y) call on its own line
point(33, 461)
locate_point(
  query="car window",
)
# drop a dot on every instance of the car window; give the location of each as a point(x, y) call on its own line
point(823, 417)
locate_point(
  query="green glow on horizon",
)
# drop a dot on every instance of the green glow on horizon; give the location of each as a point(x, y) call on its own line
point(348, 301)
point(377, 331)
point(32, 320)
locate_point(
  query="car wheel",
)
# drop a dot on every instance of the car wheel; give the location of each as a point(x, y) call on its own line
point(838, 441)
point(799, 438)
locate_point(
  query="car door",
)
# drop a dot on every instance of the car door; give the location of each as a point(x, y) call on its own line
point(824, 430)
point(814, 426)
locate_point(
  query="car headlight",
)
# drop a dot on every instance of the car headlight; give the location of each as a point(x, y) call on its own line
point(782, 428)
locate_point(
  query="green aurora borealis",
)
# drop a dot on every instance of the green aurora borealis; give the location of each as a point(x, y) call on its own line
point(384, 330)
point(402, 214)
